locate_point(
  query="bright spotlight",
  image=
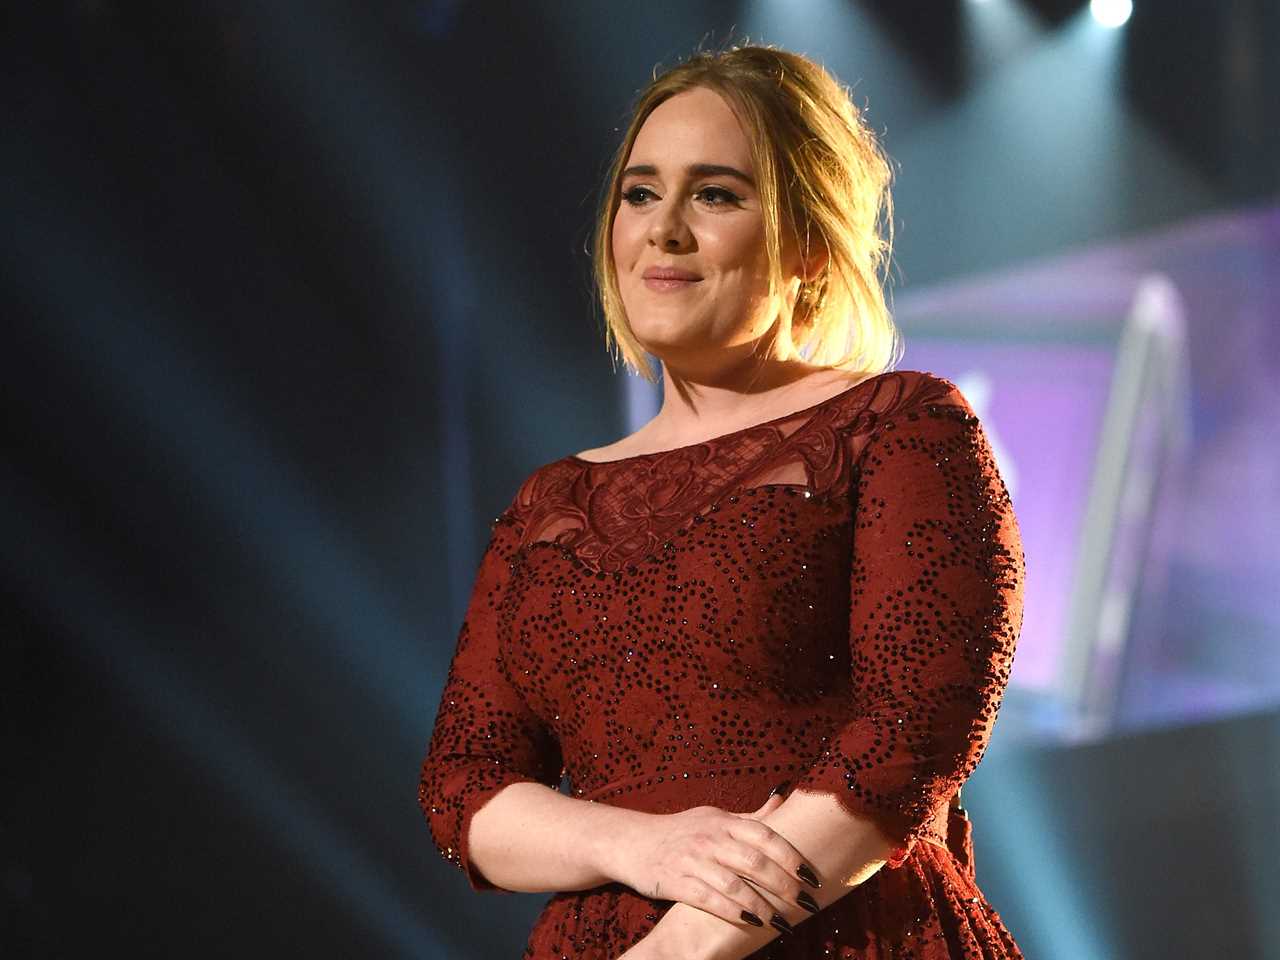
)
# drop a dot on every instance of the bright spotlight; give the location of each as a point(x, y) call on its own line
point(1111, 13)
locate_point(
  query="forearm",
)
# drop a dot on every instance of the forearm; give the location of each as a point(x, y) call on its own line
point(844, 850)
point(532, 839)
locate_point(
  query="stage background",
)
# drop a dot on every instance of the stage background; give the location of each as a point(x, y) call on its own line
point(297, 294)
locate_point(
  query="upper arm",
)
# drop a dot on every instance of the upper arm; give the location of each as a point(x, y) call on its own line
point(936, 582)
point(485, 736)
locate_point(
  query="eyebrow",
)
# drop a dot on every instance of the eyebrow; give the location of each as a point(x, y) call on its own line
point(697, 169)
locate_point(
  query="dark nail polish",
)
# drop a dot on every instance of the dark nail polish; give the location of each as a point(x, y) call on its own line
point(751, 918)
point(805, 873)
point(780, 788)
point(780, 924)
point(805, 899)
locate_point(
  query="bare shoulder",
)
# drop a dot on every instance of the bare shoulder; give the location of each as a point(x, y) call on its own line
point(633, 445)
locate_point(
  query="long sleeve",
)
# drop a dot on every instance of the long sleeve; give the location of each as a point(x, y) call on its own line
point(936, 584)
point(485, 735)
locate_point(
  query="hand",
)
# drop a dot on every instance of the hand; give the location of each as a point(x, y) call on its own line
point(709, 858)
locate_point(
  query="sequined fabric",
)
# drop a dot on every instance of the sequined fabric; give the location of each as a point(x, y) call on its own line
point(832, 597)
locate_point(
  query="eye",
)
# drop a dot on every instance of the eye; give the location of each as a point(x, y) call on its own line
point(711, 196)
point(635, 196)
point(724, 196)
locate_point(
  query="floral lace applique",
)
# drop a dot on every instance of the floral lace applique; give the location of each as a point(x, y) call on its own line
point(611, 514)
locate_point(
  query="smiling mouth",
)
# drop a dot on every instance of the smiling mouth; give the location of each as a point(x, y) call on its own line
point(669, 283)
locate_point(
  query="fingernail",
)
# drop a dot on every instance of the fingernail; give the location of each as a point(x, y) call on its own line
point(805, 873)
point(805, 899)
point(781, 924)
point(751, 918)
point(780, 788)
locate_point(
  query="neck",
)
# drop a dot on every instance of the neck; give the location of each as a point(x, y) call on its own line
point(725, 395)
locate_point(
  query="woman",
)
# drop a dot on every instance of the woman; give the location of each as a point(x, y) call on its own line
point(803, 574)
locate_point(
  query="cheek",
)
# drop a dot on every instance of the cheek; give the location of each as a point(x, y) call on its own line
point(623, 237)
point(739, 248)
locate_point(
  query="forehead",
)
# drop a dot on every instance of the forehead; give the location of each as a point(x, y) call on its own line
point(695, 126)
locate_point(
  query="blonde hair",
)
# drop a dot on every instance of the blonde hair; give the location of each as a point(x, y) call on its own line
point(820, 172)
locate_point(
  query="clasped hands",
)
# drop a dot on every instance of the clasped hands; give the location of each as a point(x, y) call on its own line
point(718, 862)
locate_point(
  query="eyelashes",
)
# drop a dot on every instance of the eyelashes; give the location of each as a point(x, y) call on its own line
point(635, 197)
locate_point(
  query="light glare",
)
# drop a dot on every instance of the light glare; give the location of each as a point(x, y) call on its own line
point(1111, 13)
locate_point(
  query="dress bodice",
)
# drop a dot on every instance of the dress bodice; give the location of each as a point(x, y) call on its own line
point(831, 597)
point(610, 513)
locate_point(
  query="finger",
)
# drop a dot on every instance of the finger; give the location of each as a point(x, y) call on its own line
point(778, 848)
point(753, 864)
point(703, 895)
point(741, 889)
point(774, 801)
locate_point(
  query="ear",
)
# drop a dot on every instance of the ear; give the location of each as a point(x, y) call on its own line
point(816, 262)
point(806, 268)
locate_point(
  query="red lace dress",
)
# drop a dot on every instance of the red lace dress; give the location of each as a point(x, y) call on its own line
point(830, 598)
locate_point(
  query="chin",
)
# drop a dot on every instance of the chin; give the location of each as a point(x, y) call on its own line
point(657, 336)
point(662, 326)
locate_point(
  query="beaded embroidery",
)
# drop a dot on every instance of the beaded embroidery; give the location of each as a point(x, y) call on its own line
point(832, 597)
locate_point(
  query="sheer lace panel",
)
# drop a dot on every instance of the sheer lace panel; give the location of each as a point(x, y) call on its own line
point(614, 513)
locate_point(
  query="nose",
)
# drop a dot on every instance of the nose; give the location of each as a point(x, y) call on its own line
point(668, 229)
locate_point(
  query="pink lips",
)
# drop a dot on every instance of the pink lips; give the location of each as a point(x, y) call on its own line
point(669, 278)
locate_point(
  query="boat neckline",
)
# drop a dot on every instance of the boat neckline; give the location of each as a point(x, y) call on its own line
point(733, 433)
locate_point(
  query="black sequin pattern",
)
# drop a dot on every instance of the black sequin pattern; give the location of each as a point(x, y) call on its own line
point(832, 597)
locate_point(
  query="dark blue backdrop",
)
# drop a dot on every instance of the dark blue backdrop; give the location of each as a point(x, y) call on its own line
point(295, 294)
